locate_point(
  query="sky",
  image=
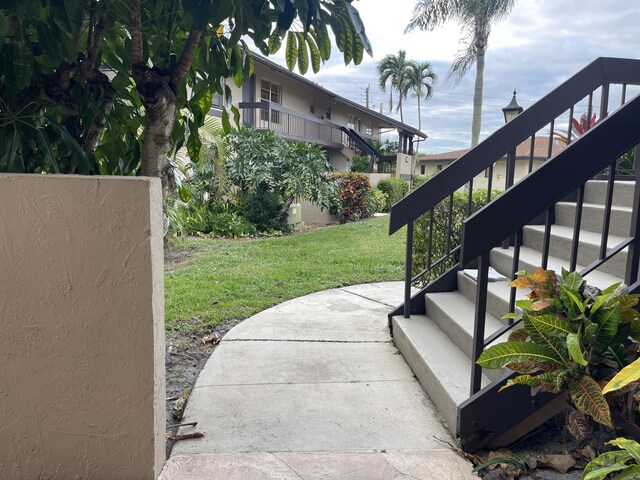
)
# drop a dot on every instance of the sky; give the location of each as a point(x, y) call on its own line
point(536, 48)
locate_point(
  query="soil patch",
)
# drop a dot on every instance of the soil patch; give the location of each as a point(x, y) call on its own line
point(186, 355)
point(175, 255)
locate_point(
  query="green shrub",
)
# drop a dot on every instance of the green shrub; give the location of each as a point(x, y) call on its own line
point(229, 224)
point(361, 164)
point(395, 188)
point(419, 180)
point(353, 189)
point(442, 237)
point(263, 209)
point(380, 200)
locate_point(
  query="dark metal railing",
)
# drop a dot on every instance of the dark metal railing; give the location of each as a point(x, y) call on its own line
point(550, 184)
point(294, 125)
point(504, 156)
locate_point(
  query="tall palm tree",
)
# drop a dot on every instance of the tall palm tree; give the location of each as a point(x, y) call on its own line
point(419, 79)
point(476, 17)
point(392, 68)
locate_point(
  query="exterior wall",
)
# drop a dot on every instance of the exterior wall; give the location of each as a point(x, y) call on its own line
point(339, 161)
point(82, 319)
point(311, 213)
point(500, 171)
point(480, 181)
point(374, 178)
point(404, 166)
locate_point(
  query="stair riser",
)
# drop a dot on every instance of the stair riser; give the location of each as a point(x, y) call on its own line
point(593, 217)
point(438, 394)
point(595, 192)
point(561, 247)
point(496, 305)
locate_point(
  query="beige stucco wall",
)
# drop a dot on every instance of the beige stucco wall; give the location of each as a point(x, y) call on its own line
point(374, 178)
point(81, 313)
point(404, 166)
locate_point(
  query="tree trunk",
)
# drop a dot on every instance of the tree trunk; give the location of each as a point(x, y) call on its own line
point(160, 106)
point(480, 41)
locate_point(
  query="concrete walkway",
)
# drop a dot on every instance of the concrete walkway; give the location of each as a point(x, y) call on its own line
point(314, 388)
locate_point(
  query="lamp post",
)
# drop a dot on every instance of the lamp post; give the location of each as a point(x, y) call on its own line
point(512, 110)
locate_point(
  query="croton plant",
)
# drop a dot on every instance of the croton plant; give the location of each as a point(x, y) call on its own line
point(576, 339)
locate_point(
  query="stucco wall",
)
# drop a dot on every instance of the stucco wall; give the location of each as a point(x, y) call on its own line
point(81, 313)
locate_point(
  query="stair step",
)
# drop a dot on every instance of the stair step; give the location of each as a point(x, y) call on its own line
point(593, 217)
point(498, 294)
point(442, 369)
point(596, 190)
point(588, 250)
point(530, 259)
point(454, 315)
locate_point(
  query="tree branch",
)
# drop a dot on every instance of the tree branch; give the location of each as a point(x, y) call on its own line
point(136, 36)
point(186, 58)
point(97, 30)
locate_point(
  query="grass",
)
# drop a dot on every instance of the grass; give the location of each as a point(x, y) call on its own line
point(228, 280)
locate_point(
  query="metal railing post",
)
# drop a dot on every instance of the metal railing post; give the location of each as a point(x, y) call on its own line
point(408, 269)
point(508, 182)
point(479, 323)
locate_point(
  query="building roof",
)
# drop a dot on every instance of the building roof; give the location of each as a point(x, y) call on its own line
point(523, 151)
point(388, 121)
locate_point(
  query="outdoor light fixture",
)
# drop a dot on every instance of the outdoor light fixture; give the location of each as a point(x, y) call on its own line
point(512, 110)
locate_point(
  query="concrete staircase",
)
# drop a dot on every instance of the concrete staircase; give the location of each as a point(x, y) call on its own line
point(438, 345)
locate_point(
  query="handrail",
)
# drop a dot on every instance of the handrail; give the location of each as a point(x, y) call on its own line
point(568, 170)
point(361, 142)
point(600, 72)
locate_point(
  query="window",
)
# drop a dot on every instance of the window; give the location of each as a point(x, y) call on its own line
point(438, 168)
point(422, 169)
point(271, 93)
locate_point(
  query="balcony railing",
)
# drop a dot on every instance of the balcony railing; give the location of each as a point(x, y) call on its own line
point(293, 125)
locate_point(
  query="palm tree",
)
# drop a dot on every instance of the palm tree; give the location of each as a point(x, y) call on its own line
point(393, 68)
point(476, 17)
point(420, 79)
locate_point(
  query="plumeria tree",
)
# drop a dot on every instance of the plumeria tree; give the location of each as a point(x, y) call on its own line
point(98, 86)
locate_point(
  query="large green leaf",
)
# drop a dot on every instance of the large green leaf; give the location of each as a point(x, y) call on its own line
point(314, 54)
point(624, 377)
point(630, 446)
point(275, 41)
point(572, 281)
point(606, 463)
point(539, 331)
point(67, 15)
point(194, 144)
point(550, 325)
point(574, 298)
point(359, 29)
point(608, 319)
point(587, 397)
point(291, 52)
point(303, 53)
point(82, 163)
point(575, 349)
point(630, 473)
point(532, 381)
point(500, 355)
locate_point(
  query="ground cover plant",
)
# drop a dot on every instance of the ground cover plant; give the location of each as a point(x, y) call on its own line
point(228, 280)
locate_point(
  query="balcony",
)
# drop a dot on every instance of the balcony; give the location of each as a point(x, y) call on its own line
point(293, 125)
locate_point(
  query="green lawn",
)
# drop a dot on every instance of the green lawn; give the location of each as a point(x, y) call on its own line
point(234, 279)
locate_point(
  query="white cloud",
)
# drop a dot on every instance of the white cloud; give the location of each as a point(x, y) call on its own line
point(540, 44)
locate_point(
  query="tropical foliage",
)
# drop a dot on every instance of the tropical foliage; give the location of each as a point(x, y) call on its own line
point(575, 339)
point(265, 162)
point(404, 77)
point(476, 17)
point(621, 464)
point(419, 79)
point(98, 87)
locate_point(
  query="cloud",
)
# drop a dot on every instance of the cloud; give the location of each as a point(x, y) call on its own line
point(540, 44)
